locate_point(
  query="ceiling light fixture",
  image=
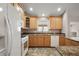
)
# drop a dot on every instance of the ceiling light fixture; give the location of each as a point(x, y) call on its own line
point(31, 9)
point(1, 9)
point(59, 9)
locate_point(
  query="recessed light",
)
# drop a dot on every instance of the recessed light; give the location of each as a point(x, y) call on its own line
point(31, 9)
point(1, 9)
point(59, 9)
point(43, 14)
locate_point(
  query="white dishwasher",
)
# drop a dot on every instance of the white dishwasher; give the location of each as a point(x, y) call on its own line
point(54, 40)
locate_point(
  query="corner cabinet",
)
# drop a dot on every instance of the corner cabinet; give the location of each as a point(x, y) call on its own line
point(33, 22)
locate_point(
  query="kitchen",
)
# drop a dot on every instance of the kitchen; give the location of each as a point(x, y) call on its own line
point(49, 31)
point(39, 29)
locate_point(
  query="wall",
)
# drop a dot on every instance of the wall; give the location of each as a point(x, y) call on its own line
point(74, 27)
point(65, 27)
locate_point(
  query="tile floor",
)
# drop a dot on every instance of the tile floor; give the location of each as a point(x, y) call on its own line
point(68, 50)
point(43, 52)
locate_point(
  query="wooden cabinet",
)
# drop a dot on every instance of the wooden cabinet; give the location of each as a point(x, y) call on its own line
point(55, 22)
point(61, 41)
point(52, 22)
point(58, 22)
point(33, 22)
point(39, 40)
point(70, 42)
point(47, 40)
point(75, 43)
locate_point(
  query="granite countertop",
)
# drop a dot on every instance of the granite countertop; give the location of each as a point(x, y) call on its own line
point(30, 32)
point(73, 38)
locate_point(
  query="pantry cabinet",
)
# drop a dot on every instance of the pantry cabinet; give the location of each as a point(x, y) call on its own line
point(33, 22)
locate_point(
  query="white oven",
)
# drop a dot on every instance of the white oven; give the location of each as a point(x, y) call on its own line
point(24, 45)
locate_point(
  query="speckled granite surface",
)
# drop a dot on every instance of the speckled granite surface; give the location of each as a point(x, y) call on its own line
point(42, 52)
point(69, 50)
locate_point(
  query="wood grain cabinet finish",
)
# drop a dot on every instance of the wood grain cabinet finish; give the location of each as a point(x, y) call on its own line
point(39, 40)
point(47, 40)
point(61, 41)
point(74, 43)
point(52, 22)
point(55, 22)
point(70, 42)
point(58, 22)
point(33, 22)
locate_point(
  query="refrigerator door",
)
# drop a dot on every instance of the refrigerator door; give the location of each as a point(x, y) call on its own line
point(10, 37)
point(15, 40)
point(2, 30)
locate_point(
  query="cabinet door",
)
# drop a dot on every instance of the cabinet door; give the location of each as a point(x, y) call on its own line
point(31, 40)
point(68, 42)
point(47, 40)
point(40, 40)
point(52, 22)
point(74, 43)
point(58, 22)
point(33, 22)
point(61, 40)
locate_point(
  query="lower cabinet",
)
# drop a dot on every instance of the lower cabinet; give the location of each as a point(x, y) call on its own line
point(61, 40)
point(69, 42)
point(75, 43)
point(47, 40)
point(39, 40)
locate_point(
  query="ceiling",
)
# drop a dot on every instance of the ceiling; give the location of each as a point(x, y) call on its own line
point(50, 9)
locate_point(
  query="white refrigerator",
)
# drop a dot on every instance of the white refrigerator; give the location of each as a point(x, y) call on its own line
point(10, 36)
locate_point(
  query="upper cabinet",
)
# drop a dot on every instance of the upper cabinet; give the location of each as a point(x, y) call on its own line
point(33, 22)
point(52, 22)
point(58, 22)
point(55, 22)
